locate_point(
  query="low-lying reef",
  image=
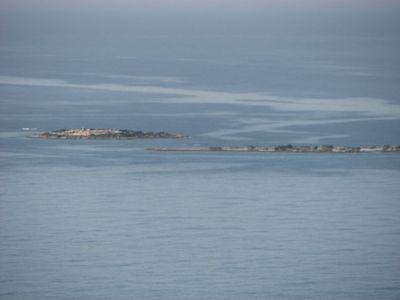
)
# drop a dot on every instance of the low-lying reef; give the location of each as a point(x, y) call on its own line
point(108, 133)
point(286, 148)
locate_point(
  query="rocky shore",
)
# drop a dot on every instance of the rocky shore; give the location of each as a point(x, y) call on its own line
point(286, 148)
point(108, 133)
point(111, 133)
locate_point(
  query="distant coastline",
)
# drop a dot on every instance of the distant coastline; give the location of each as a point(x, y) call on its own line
point(112, 133)
point(105, 133)
point(286, 148)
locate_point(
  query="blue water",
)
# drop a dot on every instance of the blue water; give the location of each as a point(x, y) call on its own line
point(109, 220)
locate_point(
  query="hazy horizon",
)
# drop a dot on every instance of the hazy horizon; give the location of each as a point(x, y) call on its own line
point(194, 18)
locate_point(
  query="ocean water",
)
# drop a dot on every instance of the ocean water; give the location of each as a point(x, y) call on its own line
point(110, 220)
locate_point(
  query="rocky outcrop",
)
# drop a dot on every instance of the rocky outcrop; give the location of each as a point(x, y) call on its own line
point(287, 148)
point(108, 133)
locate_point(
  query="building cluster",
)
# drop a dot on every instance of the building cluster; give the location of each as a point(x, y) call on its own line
point(108, 133)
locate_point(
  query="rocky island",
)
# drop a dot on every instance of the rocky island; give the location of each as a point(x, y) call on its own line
point(108, 133)
point(286, 148)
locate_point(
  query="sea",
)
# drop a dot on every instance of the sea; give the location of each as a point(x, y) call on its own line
point(108, 219)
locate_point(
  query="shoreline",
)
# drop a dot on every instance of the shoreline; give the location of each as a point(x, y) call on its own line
point(285, 149)
point(104, 134)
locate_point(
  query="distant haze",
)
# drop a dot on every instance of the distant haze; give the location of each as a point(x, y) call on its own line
point(207, 17)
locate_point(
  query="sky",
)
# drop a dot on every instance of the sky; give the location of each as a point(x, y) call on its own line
point(205, 17)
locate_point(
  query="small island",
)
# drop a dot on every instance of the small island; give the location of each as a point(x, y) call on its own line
point(107, 133)
point(286, 148)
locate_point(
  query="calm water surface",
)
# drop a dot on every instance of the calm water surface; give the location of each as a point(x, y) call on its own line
point(103, 220)
point(109, 220)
